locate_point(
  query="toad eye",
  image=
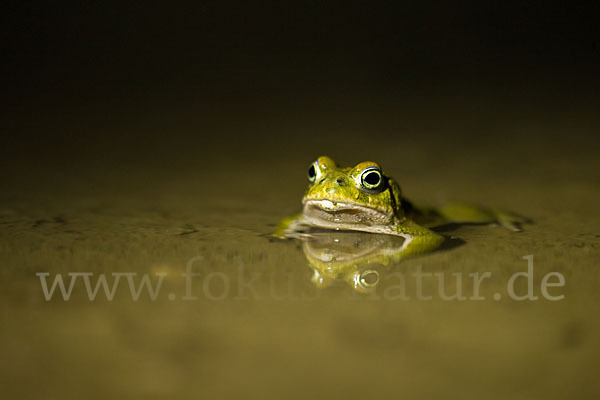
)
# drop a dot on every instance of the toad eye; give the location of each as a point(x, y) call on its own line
point(312, 172)
point(371, 178)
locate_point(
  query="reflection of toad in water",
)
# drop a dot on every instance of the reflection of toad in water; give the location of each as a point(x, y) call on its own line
point(351, 257)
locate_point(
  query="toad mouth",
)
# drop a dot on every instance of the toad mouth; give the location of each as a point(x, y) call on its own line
point(329, 213)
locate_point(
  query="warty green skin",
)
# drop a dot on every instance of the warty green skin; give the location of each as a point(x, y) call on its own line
point(337, 198)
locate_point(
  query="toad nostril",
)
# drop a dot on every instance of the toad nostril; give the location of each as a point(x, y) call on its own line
point(340, 181)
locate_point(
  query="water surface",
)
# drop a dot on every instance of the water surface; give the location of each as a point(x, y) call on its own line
point(254, 321)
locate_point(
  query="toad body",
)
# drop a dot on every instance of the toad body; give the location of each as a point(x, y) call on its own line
point(364, 198)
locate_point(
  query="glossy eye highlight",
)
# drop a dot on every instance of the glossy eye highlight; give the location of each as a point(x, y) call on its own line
point(369, 278)
point(371, 178)
point(312, 172)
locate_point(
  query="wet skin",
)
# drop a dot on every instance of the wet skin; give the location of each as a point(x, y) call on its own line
point(364, 198)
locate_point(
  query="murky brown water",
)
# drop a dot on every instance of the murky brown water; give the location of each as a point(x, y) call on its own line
point(258, 323)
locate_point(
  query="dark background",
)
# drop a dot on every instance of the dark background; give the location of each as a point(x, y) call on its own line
point(129, 79)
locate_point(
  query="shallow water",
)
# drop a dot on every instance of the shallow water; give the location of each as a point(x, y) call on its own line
point(253, 320)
